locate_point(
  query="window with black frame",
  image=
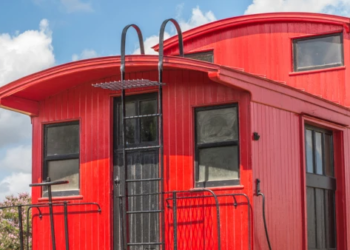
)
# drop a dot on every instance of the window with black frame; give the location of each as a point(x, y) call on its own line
point(217, 146)
point(318, 52)
point(207, 56)
point(61, 157)
point(320, 189)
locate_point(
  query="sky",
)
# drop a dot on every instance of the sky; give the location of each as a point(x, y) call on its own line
point(39, 34)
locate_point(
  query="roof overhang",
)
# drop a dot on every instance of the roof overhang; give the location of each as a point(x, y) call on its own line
point(256, 19)
point(24, 95)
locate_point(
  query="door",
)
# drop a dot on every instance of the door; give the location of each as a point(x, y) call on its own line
point(320, 189)
point(136, 199)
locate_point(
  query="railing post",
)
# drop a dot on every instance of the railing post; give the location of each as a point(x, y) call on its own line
point(66, 224)
point(175, 219)
point(20, 224)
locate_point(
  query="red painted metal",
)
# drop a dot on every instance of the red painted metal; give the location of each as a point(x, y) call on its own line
point(262, 45)
point(259, 44)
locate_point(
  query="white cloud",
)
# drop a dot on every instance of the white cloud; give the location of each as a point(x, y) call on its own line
point(21, 54)
point(17, 159)
point(14, 184)
point(76, 6)
point(150, 42)
point(197, 18)
point(85, 54)
point(25, 53)
point(340, 7)
point(15, 128)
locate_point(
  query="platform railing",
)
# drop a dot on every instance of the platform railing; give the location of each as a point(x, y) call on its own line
point(175, 197)
point(50, 204)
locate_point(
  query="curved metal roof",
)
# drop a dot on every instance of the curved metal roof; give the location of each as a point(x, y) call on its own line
point(256, 19)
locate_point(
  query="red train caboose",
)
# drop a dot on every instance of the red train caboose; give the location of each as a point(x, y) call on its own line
point(172, 147)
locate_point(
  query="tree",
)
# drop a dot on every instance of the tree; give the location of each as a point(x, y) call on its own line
point(9, 229)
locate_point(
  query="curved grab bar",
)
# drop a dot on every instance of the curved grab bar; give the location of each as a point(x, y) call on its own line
point(161, 45)
point(122, 47)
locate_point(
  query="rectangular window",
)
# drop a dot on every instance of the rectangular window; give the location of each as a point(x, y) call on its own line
point(206, 56)
point(61, 157)
point(320, 189)
point(318, 52)
point(217, 146)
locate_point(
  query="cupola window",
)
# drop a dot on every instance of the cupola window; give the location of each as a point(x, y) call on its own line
point(318, 52)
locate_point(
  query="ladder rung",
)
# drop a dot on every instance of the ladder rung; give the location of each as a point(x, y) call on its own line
point(138, 148)
point(144, 212)
point(141, 116)
point(145, 243)
point(135, 195)
point(142, 180)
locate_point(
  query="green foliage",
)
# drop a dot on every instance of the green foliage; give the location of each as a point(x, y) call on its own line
point(9, 229)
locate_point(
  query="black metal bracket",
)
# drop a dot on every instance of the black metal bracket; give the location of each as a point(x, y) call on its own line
point(161, 45)
point(123, 44)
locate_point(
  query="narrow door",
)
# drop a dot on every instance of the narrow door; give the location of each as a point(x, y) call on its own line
point(136, 199)
point(320, 188)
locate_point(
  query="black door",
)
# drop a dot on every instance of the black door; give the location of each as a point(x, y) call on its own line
point(136, 213)
point(320, 188)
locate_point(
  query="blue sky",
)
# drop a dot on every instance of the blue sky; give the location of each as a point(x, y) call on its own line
point(38, 34)
point(98, 27)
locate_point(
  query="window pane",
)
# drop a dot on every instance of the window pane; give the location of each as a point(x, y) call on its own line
point(202, 56)
point(217, 125)
point(311, 218)
point(149, 107)
point(328, 155)
point(130, 124)
point(330, 219)
point(148, 125)
point(319, 52)
point(318, 153)
point(67, 170)
point(309, 156)
point(62, 140)
point(219, 163)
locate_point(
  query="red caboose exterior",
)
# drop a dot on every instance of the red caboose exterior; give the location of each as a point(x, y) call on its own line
point(248, 106)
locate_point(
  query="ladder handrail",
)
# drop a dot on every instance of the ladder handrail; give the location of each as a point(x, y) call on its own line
point(161, 45)
point(123, 44)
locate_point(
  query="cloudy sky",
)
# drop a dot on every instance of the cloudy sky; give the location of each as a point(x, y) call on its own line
point(38, 34)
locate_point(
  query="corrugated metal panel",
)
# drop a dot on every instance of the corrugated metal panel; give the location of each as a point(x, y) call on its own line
point(276, 162)
point(266, 50)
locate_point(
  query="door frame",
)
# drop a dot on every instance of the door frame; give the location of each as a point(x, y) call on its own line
point(114, 144)
point(339, 173)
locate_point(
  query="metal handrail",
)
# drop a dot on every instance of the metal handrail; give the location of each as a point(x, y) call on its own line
point(235, 204)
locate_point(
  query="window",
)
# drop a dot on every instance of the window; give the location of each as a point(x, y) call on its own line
point(320, 189)
point(202, 56)
point(217, 146)
point(318, 52)
point(61, 157)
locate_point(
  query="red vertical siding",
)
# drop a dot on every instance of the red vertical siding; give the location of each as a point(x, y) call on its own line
point(276, 162)
point(266, 49)
point(92, 107)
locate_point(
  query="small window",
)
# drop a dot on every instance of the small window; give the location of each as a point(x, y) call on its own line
point(202, 56)
point(217, 146)
point(61, 157)
point(318, 52)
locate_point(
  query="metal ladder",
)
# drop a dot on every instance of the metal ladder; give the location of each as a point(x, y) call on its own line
point(123, 190)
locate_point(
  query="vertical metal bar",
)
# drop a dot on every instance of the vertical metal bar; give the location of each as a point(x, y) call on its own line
point(51, 216)
point(124, 172)
point(175, 219)
point(66, 224)
point(20, 224)
point(161, 152)
point(27, 233)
